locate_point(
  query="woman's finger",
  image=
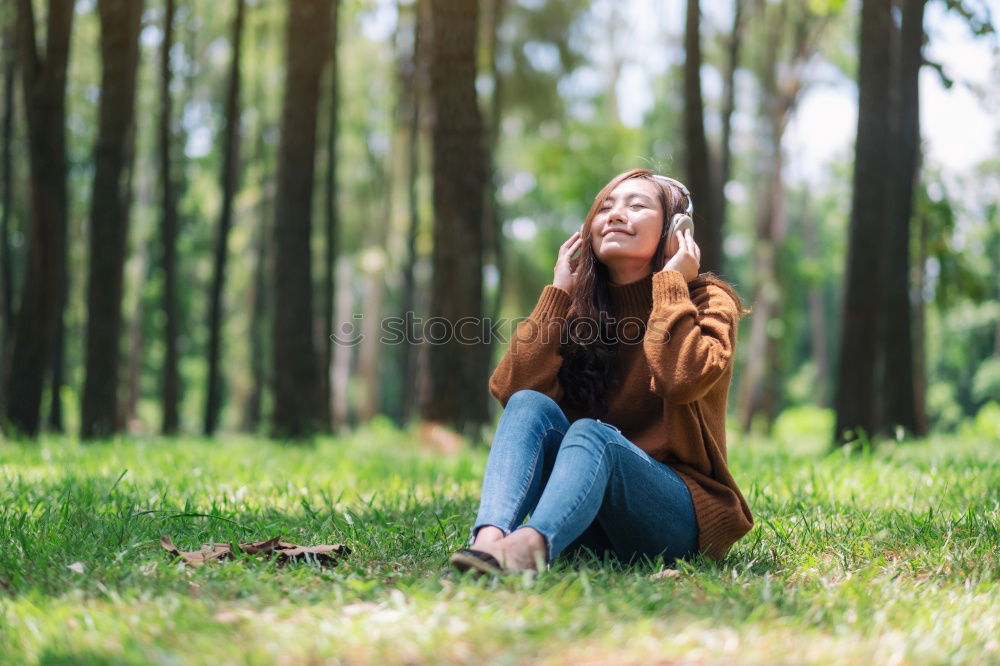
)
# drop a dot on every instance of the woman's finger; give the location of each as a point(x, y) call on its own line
point(570, 239)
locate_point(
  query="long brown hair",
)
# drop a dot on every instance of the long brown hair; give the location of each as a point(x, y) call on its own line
point(589, 370)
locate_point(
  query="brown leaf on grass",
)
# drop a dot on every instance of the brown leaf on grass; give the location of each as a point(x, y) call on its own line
point(196, 558)
point(669, 574)
point(260, 546)
point(324, 554)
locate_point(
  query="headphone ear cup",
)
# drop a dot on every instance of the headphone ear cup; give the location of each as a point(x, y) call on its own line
point(679, 222)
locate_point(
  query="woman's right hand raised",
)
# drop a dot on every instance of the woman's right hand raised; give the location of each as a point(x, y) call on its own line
point(564, 274)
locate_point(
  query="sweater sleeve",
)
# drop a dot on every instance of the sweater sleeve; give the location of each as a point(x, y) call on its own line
point(532, 361)
point(689, 340)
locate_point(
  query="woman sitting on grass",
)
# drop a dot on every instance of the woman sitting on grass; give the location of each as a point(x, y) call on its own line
point(614, 390)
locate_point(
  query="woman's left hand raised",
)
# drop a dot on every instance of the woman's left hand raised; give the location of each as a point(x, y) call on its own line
point(687, 259)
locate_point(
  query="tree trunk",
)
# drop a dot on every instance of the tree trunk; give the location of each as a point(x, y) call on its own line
point(410, 96)
point(817, 315)
point(258, 294)
point(733, 45)
point(170, 396)
point(55, 420)
point(252, 411)
point(697, 159)
point(120, 24)
point(458, 369)
point(343, 353)
point(330, 219)
point(493, 228)
point(920, 327)
point(295, 367)
point(863, 319)
point(133, 364)
point(759, 385)
point(44, 82)
point(6, 179)
point(898, 384)
point(230, 183)
point(371, 350)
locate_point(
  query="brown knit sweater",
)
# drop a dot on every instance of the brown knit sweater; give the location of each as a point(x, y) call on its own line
point(671, 401)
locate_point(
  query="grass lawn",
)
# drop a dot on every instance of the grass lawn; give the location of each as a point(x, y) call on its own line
point(891, 557)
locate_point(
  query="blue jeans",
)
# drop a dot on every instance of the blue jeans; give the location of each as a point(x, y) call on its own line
point(585, 485)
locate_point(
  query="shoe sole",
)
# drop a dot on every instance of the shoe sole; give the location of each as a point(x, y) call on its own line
point(465, 561)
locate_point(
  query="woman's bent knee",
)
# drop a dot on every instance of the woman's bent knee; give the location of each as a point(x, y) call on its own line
point(588, 432)
point(528, 406)
point(531, 399)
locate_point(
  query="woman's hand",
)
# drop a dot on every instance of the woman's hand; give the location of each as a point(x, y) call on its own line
point(564, 274)
point(687, 259)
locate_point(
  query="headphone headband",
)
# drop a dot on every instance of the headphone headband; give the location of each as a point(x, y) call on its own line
point(682, 188)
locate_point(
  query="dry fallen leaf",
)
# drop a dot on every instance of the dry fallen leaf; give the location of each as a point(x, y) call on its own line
point(76, 566)
point(324, 554)
point(666, 573)
point(196, 558)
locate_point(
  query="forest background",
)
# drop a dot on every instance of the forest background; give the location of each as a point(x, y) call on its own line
point(199, 198)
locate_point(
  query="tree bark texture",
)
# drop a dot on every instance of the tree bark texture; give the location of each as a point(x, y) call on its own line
point(171, 388)
point(459, 370)
point(44, 91)
point(230, 183)
point(296, 387)
point(698, 166)
point(330, 219)
point(898, 384)
point(120, 24)
point(863, 318)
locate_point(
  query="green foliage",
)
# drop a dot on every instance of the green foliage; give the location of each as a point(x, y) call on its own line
point(803, 422)
point(986, 426)
point(986, 382)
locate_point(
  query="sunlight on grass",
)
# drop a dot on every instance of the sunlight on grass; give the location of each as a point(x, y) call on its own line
point(888, 556)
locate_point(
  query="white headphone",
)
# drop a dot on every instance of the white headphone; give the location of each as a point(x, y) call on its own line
point(680, 221)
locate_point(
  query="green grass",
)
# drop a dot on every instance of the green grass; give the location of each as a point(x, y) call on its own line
point(887, 557)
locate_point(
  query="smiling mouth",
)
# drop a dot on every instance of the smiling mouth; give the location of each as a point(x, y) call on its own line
point(616, 231)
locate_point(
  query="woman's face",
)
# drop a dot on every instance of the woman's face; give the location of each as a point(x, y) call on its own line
point(628, 224)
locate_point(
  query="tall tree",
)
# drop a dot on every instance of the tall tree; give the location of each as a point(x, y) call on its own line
point(55, 419)
point(120, 23)
point(818, 326)
point(170, 389)
point(411, 71)
point(459, 369)
point(258, 308)
point(263, 161)
point(493, 219)
point(330, 218)
point(898, 384)
point(698, 165)
point(863, 318)
point(6, 172)
point(734, 45)
point(791, 31)
point(44, 86)
point(230, 178)
point(295, 373)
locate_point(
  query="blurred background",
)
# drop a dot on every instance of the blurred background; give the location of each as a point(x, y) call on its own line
point(211, 208)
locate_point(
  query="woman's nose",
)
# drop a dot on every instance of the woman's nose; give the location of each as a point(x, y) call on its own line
point(617, 213)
